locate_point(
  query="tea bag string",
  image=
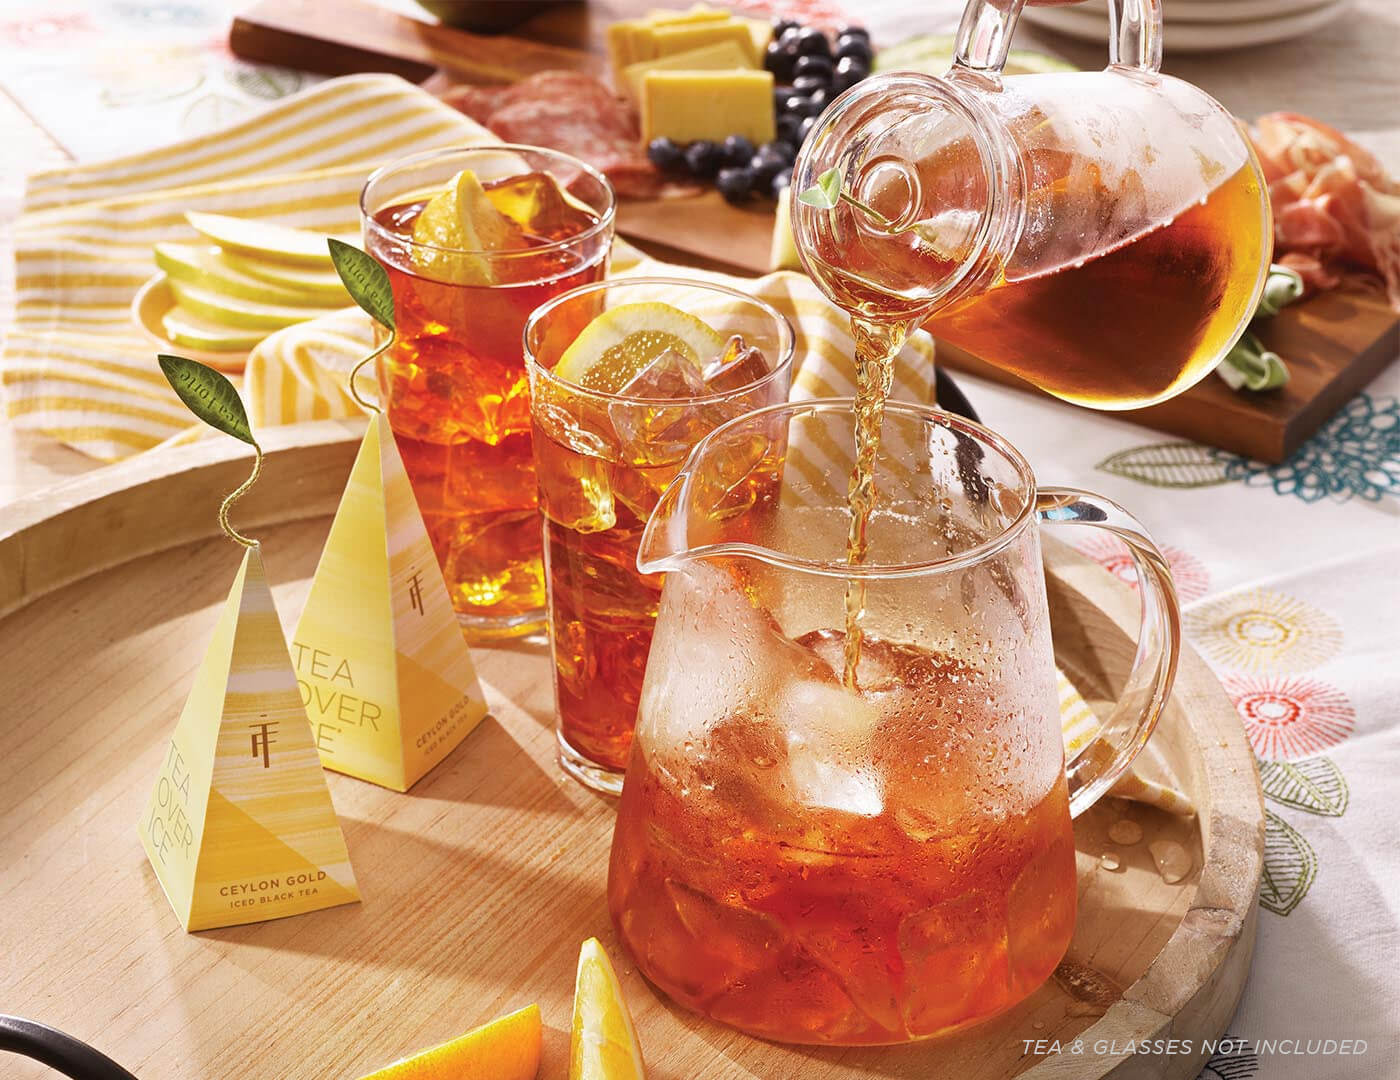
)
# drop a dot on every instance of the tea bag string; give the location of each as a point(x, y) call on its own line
point(236, 494)
point(368, 406)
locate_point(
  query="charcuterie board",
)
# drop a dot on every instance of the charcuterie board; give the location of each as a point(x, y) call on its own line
point(479, 884)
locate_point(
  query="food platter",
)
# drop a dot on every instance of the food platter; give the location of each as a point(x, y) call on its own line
point(479, 883)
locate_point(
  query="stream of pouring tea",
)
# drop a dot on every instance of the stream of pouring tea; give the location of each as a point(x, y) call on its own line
point(876, 346)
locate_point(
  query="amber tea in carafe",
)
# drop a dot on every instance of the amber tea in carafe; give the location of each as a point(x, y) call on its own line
point(1103, 235)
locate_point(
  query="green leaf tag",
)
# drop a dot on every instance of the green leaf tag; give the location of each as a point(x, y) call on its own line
point(365, 280)
point(825, 193)
point(209, 395)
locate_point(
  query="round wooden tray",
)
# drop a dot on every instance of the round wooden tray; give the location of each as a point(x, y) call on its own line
point(480, 883)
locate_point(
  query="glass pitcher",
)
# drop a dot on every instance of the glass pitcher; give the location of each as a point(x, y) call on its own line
point(818, 864)
point(1104, 235)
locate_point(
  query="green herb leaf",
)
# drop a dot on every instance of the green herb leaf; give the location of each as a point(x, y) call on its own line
point(1281, 288)
point(365, 280)
point(209, 395)
point(1250, 366)
point(825, 193)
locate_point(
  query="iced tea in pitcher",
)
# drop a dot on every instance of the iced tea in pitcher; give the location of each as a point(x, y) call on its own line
point(474, 240)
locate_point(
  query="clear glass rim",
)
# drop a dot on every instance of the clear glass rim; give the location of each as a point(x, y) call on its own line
point(787, 342)
point(961, 560)
point(605, 217)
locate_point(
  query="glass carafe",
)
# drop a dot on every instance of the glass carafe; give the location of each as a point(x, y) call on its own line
point(817, 864)
point(1104, 235)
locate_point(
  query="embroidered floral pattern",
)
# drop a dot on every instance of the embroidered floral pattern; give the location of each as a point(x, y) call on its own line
point(1290, 718)
point(1263, 630)
point(1190, 574)
point(1355, 454)
point(46, 31)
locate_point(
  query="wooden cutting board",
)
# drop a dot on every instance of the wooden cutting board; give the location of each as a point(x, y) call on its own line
point(1333, 344)
point(480, 883)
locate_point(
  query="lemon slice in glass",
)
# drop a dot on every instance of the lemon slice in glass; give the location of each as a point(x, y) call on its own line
point(618, 345)
point(457, 225)
point(603, 1045)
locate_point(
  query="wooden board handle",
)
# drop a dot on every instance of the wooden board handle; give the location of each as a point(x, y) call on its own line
point(341, 37)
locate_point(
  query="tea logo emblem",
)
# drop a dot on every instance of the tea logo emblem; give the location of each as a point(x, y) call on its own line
point(238, 836)
point(382, 667)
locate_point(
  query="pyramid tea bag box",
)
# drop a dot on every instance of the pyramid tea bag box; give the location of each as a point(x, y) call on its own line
point(383, 670)
point(239, 826)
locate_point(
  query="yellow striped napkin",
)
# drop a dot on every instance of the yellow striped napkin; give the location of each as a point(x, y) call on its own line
point(75, 365)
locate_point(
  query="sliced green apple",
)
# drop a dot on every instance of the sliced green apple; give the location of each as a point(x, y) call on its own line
point(323, 284)
point(246, 314)
point(190, 330)
point(209, 268)
point(247, 236)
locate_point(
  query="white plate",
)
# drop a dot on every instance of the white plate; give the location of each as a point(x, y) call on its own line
point(1226, 10)
point(1182, 35)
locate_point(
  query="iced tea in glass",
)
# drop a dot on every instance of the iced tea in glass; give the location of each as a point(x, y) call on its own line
point(469, 259)
point(625, 378)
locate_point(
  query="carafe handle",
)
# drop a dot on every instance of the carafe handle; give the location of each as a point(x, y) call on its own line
point(984, 35)
point(1099, 765)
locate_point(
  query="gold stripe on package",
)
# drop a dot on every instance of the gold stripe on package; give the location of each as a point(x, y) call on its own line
point(384, 672)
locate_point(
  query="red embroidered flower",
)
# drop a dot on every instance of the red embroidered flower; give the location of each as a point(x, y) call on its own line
point(1290, 717)
point(1190, 574)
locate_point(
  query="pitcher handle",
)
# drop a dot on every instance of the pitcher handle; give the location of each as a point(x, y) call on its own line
point(1098, 766)
point(984, 35)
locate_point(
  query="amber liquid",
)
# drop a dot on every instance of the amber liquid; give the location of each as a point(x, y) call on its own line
point(1132, 325)
point(818, 925)
point(458, 401)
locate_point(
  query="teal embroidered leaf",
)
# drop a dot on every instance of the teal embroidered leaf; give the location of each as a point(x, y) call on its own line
point(1313, 785)
point(1289, 866)
point(1168, 465)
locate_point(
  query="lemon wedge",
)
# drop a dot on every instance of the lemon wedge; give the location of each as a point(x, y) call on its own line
point(461, 220)
point(505, 1049)
point(603, 1045)
point(617, 346)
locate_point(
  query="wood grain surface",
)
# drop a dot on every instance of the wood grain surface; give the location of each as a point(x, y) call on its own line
point(480, 883)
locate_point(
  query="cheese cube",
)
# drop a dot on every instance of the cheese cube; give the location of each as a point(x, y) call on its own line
point(689, 105)
point(724, 56)
point(682, 37)
point(698, 14)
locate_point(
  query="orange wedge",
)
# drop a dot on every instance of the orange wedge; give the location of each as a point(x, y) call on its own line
point(604, 1042)
point(504, 1049)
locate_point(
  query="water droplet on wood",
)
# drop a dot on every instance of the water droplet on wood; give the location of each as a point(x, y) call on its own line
point(1173, 861)
point(1109, 861)
point(1125, 832)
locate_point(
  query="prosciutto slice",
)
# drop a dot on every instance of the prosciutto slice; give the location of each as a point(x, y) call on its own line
point(1335, 207)
point(575, 113)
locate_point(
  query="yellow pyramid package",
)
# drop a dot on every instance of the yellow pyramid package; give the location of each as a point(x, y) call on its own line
point(383, 669)
point(239, 826)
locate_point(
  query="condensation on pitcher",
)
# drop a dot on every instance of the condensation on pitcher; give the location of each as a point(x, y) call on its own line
point(1125, 832)
point(1173, 861)
point(1110, 861)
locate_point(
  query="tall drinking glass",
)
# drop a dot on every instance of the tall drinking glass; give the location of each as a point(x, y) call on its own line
point(603, 458)
point(466, 274)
